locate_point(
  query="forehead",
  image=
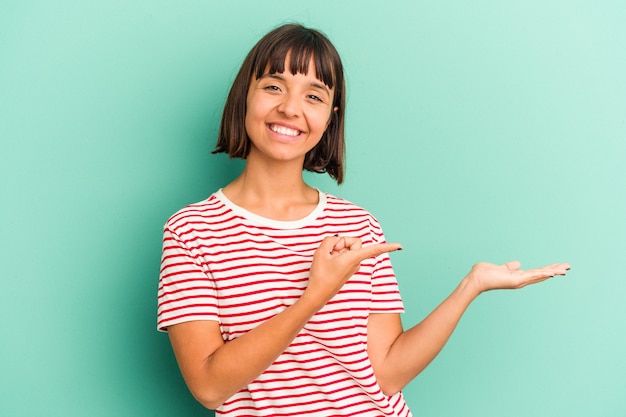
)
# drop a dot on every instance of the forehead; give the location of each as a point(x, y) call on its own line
point(297, 61)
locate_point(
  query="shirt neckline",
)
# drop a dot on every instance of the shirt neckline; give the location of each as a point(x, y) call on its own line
point(276, 224)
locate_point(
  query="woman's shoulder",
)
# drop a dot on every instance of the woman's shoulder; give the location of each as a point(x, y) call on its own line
point(201, 211)
point(343, 211)
point(346, 207)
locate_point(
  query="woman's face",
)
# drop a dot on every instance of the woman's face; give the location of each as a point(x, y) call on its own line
point(287, 114)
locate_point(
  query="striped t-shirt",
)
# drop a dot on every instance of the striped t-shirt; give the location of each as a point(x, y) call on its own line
point(221, 262)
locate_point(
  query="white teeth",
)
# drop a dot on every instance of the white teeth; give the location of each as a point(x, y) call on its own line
point(284, 130)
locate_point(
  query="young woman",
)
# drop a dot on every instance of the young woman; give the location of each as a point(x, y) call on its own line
point(280, 299)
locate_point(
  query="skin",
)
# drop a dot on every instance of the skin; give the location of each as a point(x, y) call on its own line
point(271, 185)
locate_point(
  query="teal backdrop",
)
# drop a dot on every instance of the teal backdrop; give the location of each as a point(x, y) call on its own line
point(476, 131)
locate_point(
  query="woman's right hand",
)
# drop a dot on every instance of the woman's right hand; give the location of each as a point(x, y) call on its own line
point(336, 260)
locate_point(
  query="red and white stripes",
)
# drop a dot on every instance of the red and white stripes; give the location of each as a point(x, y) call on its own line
point(223, 263)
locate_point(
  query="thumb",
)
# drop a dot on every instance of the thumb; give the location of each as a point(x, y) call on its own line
point(513, 265)
point(328, 243)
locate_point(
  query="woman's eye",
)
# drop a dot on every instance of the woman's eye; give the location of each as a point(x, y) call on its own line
point(272, 88)
point(316, 98)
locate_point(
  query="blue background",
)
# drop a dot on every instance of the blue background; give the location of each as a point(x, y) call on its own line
point(477, 131)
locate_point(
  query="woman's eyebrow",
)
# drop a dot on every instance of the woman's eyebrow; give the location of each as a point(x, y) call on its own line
point(321, 87)
point(275, 75)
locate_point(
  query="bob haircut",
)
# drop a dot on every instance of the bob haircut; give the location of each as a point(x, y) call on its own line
point(269, 54)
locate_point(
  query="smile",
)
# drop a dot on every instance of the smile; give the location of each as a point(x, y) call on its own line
point(282, 130)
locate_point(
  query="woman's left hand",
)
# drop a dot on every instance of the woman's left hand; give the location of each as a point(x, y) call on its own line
point(485, 276)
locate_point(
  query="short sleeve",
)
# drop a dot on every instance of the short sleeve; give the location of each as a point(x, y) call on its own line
point(385, 291)
point(186, 291)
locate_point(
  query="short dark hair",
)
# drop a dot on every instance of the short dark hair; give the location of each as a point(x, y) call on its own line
point(301, 44)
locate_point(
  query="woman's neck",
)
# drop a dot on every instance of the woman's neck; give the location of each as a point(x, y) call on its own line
point(277, 191)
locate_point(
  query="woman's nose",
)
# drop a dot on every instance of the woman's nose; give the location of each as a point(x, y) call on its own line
point(290, 105)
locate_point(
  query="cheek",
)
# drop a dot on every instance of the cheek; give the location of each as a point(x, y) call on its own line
point(329, 119)
point(247, 123)
point(324, 121)
point(254, 126)
point(253, 117)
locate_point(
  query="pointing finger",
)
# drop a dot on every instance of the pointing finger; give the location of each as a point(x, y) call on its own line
point(371, 251)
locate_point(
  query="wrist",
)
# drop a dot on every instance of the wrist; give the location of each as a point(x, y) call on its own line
point(310, 302)
point(469, 288)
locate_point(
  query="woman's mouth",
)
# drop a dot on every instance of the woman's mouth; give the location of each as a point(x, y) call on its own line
point(283, 130)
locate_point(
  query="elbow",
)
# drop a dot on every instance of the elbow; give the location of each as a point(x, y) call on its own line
point(208, 399)
point(388, 388)
point(391, 392)
point(210, 403)
point(388, 381)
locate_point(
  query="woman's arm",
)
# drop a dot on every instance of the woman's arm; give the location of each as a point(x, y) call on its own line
point(398, 356)
point(214, 370)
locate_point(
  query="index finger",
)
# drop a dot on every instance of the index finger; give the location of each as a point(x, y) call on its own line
point(371, 251)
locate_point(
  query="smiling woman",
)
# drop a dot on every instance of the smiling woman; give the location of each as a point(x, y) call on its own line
point(280, 299)
point(304, 52)
point(286, 117)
